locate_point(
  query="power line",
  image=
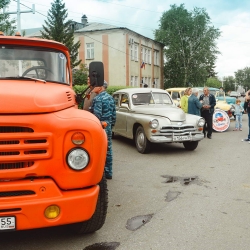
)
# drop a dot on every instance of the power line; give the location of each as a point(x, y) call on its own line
point(30, 8)
point(127, 24)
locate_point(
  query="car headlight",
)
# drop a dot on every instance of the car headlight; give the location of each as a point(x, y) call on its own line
point(154, 123)
point(77, 159)
point(201, 122)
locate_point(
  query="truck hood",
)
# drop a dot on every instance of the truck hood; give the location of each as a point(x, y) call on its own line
point(21, 96)
point(171, 112)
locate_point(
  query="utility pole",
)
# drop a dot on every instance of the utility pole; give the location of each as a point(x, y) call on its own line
point(18, 12)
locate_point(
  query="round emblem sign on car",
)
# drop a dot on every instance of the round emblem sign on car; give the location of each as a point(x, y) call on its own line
point(221, 120)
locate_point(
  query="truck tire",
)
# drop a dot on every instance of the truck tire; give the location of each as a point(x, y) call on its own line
point(190, 145)
point(142, 143)
point(98, 218)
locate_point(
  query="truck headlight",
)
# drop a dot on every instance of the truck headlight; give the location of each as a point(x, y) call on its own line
point(77, 158)
point(154, 123)
point(201, 122)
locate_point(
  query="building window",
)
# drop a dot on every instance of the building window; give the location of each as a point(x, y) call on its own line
point(136, 81)
point(90, 50)
point(132, 81)
point(132, 52)
point(149, 56)
point(145, 55)
point(156, 58)
point(136, 52)
point(149, 82)
point(156, 83)
point(142, 53)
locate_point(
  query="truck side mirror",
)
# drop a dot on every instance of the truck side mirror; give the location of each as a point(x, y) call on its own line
point(96, 74)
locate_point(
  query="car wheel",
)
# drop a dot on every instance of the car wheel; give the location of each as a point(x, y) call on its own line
point(190, 145)
point(98, 218)
point(141, 141)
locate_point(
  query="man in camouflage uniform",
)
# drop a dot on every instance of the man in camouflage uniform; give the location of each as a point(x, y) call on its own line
point(104, 109)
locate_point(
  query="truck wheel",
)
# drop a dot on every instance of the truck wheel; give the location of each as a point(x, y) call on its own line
point(99, 216)
point(190, 145)
point(142, 143)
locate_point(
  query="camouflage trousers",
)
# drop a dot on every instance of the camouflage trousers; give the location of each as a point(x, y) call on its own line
point(109, 157)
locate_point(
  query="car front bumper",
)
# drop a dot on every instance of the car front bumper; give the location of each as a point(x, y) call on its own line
point(168, 138)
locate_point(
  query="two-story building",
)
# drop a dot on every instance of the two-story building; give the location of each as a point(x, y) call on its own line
point(129, 58)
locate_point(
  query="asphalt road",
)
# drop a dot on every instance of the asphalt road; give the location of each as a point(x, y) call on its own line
point(168, 199)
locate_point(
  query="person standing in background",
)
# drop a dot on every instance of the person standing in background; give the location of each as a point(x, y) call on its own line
point(194, 105)
point(90, 95)
point(208, 102)
point(238, 112)
point(103, 108)
point(184, 99)
point(247, 110)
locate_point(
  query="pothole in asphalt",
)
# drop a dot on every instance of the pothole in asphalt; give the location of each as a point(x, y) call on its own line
point(171, 195)
point(138, 221)
point(183, 180)
point(103, 246)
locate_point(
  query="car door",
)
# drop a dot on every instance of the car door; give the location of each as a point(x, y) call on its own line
point(122, 111)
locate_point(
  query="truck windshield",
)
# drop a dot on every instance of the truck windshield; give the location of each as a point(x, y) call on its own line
point(33, 62)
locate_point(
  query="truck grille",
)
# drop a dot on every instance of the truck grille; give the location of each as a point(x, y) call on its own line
point(69, 96)
point(21, 146)
point(16, 193)
point(8, 129)
point(16, 165)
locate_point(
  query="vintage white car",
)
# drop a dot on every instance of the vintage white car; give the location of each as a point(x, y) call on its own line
point(148, 115)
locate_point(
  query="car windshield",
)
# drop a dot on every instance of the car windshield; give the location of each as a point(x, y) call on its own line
point(33, 62)
point(151, 98)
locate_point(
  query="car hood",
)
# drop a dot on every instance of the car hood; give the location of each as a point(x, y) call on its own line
point(228, 99)
point(19, 96)
point(170, 112)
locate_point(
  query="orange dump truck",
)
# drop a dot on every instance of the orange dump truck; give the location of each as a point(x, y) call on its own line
point(52, 154)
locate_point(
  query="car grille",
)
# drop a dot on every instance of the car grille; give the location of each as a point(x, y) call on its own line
point(21, 146)
point(177, 130)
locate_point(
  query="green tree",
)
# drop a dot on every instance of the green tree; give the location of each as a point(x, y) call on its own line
point(229, 83)
point(57, 28)
point(190, 47)
point(213, 82)
point(6, 25)
point(242, 77)
point(80, 76)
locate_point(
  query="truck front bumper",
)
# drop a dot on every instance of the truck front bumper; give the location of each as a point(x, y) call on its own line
point(27, 200)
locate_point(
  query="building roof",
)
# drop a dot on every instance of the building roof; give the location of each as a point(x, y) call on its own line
point(97, 26)
point(102, 26)
point(89, 27)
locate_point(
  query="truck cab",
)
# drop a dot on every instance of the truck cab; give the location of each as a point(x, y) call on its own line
point(52, 154)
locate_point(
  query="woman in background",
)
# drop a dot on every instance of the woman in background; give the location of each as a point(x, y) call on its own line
point(184, 99)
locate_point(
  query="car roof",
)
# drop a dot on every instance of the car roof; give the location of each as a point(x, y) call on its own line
point(210, 88)
point(140, 90)
point(176, 89)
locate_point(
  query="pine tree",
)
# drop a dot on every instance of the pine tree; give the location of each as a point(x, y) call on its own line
point(57, 28)
point(7, 26)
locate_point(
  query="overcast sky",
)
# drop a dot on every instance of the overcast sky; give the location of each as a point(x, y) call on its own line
point(232, 17)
